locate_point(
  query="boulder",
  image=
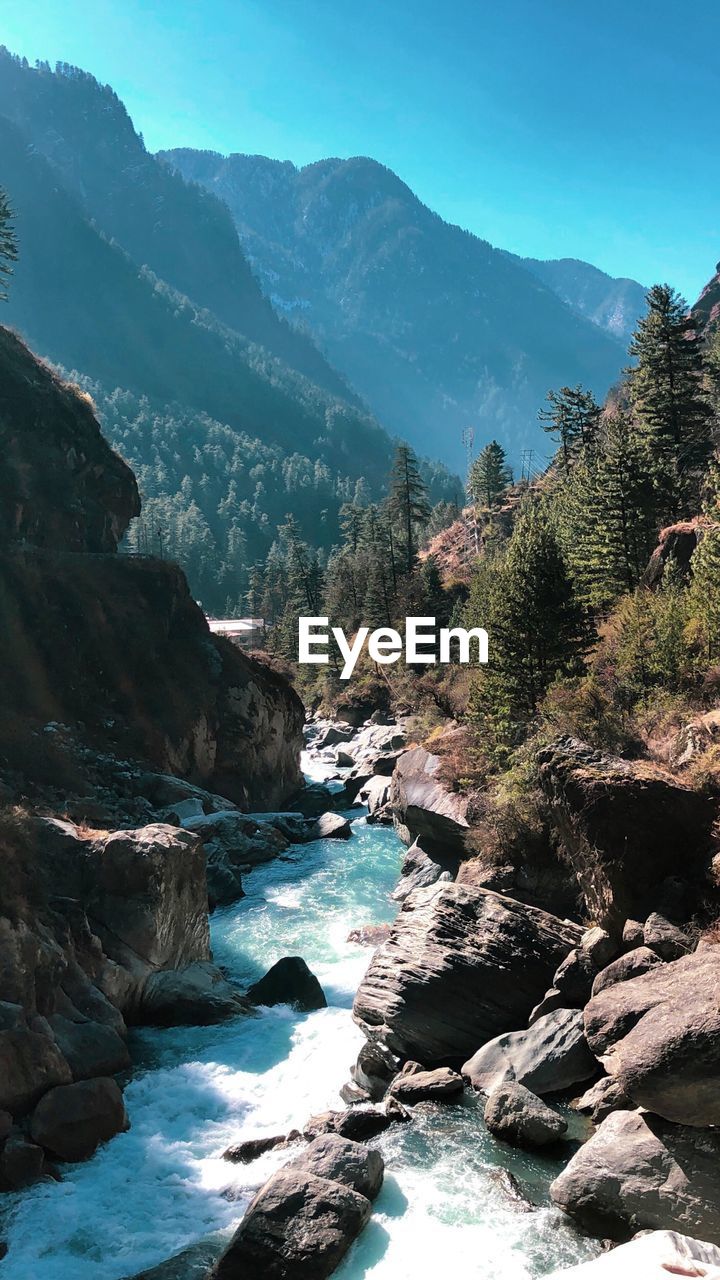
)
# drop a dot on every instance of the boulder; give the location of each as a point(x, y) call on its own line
point(374, 1068)
point(669, 942)
point(89, 1048)
point(658, 1035)
point(420, 869)
point(370, 935)
point(234, 842)
point(424, 807)
point(359, 1123)
point(601, 1098)
point(517, 1116)
point(30, 1060)
point(574, 978)
point(252, 1148)
point(630, 965)
point(550, 1056)
point(22, 1163)
point(195, 996)
point(375, 793)
point(332, 826)
point(653, 1255)
point(413, 1084)
point(334, 734)
point(289, 981)
point(632, 935)
point(303, 1221)
point(461, 965)
point(640, 1171)
point(624, 825)
point(551, 1001)
point(599, 946)
point(72, 1120)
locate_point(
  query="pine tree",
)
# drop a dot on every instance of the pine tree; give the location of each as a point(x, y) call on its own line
point(489, 475)
point(667, 392)
point(408, 500)
point(536, 629)
point(605, 510)
point(8, 244)
point(572, 419)
point(704, 593)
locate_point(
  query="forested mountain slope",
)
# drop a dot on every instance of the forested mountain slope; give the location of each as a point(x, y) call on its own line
point(436, 328)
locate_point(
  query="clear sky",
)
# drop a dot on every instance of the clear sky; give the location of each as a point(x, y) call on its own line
point(580, 128)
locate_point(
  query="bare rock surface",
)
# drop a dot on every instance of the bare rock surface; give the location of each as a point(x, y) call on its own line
point(72, 1120)
point(424, 806)
point(550, 1056)
point(639, 1171)
point(516, 1115)
point(413, 1084)
point(654, 1255)
point(289, 981)
point(461, 966)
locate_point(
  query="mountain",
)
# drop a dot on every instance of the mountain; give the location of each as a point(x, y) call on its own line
point(613, 304)
point(437, 329)
point(135, 282)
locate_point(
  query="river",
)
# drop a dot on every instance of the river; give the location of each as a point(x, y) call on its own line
point(163, 1186)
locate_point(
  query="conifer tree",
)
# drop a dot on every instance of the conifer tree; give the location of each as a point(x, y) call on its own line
point(536, 630)
point(489, 475)
point(668, 395)
point(8, 244)
point(572, 419)
point(408, 500)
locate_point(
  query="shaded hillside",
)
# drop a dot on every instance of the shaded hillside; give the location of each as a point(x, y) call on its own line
point(436, 328)
point(612, 304)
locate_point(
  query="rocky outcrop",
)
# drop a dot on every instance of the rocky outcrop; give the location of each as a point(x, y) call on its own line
point(676, 543)
point(303, 1221)
point(516, 1115)
point(423, 805)
point(658, 1036)
point(413, 1084)
point(550, 1056)
point(420, 869)
point(460, 967)
point(627, 828)
point(638, 1171)
point(61, 486)
point(655, 1255)
point(289, 981)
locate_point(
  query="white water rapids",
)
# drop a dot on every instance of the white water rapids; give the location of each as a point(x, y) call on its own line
point(163, 1186)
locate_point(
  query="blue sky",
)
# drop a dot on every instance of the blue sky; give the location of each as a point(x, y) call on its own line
point(549, 127)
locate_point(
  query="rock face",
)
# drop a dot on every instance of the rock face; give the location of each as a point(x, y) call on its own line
point(420, 869)
point(424, 807)
point(623, 827)
point(289, 982)
point(62, 485)
point(461, 965)
point(517, 1116)
point(72, 1120)
point(304, 1219)
point(550, 1056)
point(658, 1036)
point(638, 1171)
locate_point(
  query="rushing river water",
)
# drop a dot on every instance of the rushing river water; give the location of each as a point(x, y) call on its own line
point(163, 1185)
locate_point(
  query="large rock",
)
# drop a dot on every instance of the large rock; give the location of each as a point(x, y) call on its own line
point(233, 843)
point(22, 1163)
point(625, 827)
point(550, 1056)
point(631, 965)
point(72, 1120)
point(424, 806)
point(516, 1115)
point(303, 1221)
point(289, 981)
point(89, 1048)
point(658, 1035)
point(30, 1061)
point(195, 996)
point(461, 966)
point(332, 826)
point(639, 1171)
point(420, 869)
point(413, 1084)
point(655, 1255)
point(665, 938)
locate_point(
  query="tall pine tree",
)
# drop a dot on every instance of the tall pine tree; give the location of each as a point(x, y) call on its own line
point(489, 476)
point(407, 501)
point(571, 419)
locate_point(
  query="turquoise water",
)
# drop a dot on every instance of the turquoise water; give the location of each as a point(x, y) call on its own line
point(163, 1185)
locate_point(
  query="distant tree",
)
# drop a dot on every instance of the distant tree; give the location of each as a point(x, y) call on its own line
point(489, 475)
point(572, 419)
point(408, 500)
point(8, 244)
point(668, 395)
